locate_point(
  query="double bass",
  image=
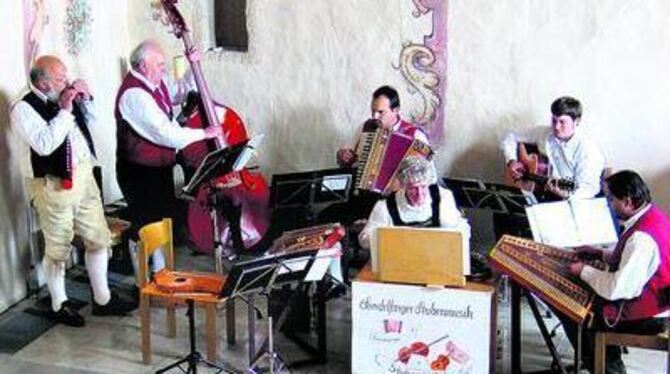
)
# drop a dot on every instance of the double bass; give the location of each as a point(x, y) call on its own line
point(245, 191)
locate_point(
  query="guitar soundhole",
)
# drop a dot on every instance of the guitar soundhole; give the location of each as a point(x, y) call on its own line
point(180, 280)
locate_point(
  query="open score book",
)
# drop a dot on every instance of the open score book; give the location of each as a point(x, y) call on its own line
point(572, 223)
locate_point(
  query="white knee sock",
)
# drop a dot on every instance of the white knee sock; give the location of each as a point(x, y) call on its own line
point(55, 278)
point(96, 265)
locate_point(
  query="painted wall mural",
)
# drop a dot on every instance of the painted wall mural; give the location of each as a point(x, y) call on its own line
point(34, 20)
point(77, 27)
point(424, 67)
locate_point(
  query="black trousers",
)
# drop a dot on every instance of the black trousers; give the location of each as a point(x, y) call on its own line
point(149, 193)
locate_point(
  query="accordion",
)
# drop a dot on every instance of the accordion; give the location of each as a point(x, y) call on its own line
point(380, 152)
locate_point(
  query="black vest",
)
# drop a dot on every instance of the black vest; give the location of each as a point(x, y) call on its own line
point(433, 221)
point(57, 163)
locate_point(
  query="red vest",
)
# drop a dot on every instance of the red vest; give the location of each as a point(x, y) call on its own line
point(408, 128)
point(654, 298)
point(133, 148)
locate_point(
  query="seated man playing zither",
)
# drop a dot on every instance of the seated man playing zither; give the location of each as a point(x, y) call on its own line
point(635, 288)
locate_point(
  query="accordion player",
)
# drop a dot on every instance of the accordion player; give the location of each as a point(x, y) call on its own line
point(379, 154)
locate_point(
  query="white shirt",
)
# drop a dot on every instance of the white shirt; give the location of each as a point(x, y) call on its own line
point(44, 138)
point(577, 159)
point(639, 261)
point(144, 115)
point(450, 216)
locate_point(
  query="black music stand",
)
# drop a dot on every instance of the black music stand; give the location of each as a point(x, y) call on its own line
point(194, 357)
point(499, 198)
point(214, 164)
point(297, 198)
point(257, 277)
point(311, 189)
point(291, 274)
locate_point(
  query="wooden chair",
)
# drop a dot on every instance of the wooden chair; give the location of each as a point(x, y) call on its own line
point(154, 236)
point(660, 342)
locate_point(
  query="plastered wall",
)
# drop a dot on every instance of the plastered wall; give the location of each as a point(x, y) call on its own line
point(312, 65)
point(98, 62)
point(306, 81)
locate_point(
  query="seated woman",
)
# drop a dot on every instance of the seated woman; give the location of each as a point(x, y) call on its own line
point(420, 202)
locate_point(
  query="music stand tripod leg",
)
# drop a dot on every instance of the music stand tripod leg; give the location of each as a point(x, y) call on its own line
point(545, 332)
point(275, 363)
point(194, 357)
point(516, 327)
point(218, 246)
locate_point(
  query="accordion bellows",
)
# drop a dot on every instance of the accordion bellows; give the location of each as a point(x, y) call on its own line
point(380, 153)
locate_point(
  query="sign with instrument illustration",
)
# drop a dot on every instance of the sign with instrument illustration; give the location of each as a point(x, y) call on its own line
point(412, 329)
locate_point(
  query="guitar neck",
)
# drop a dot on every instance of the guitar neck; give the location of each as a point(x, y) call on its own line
point(563, 184)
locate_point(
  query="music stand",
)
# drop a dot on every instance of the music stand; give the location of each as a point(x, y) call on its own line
point(194, 357)
point(310, 190)
point(513, 199)
point(499, 198)
point(257, 277)
point(219, 162)
point(216, 163)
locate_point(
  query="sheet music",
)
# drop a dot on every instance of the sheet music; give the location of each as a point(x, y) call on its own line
point(293, 265)
point(572, 223)
point(322, 263)
point(594, 221)
point(553, 224)
point(247, 152)
point(335, 182)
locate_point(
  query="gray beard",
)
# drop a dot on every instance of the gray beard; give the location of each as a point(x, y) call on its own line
point(52, 96)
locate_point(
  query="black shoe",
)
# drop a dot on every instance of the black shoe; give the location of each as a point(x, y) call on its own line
point(116, 306)
point(67, 315)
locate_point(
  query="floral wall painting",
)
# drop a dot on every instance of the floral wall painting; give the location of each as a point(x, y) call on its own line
point(424, 65)
point(34, 20)
point(78, 20)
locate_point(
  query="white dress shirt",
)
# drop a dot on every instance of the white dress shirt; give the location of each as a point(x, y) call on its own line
point(144, 115)
point(450, 216)
point(639, 261)
point(44, 138)
point(578, 159)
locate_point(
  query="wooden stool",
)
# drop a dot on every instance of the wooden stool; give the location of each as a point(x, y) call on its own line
point(659, 342)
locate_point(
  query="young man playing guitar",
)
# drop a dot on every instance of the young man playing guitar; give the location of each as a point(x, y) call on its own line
point(570, 155)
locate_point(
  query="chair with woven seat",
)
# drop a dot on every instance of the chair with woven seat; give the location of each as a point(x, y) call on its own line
point(659, 342)
point(155, 236)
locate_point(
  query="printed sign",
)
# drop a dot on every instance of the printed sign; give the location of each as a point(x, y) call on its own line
point(407, 329)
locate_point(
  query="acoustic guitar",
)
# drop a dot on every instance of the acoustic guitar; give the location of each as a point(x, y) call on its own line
point(535, 172)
